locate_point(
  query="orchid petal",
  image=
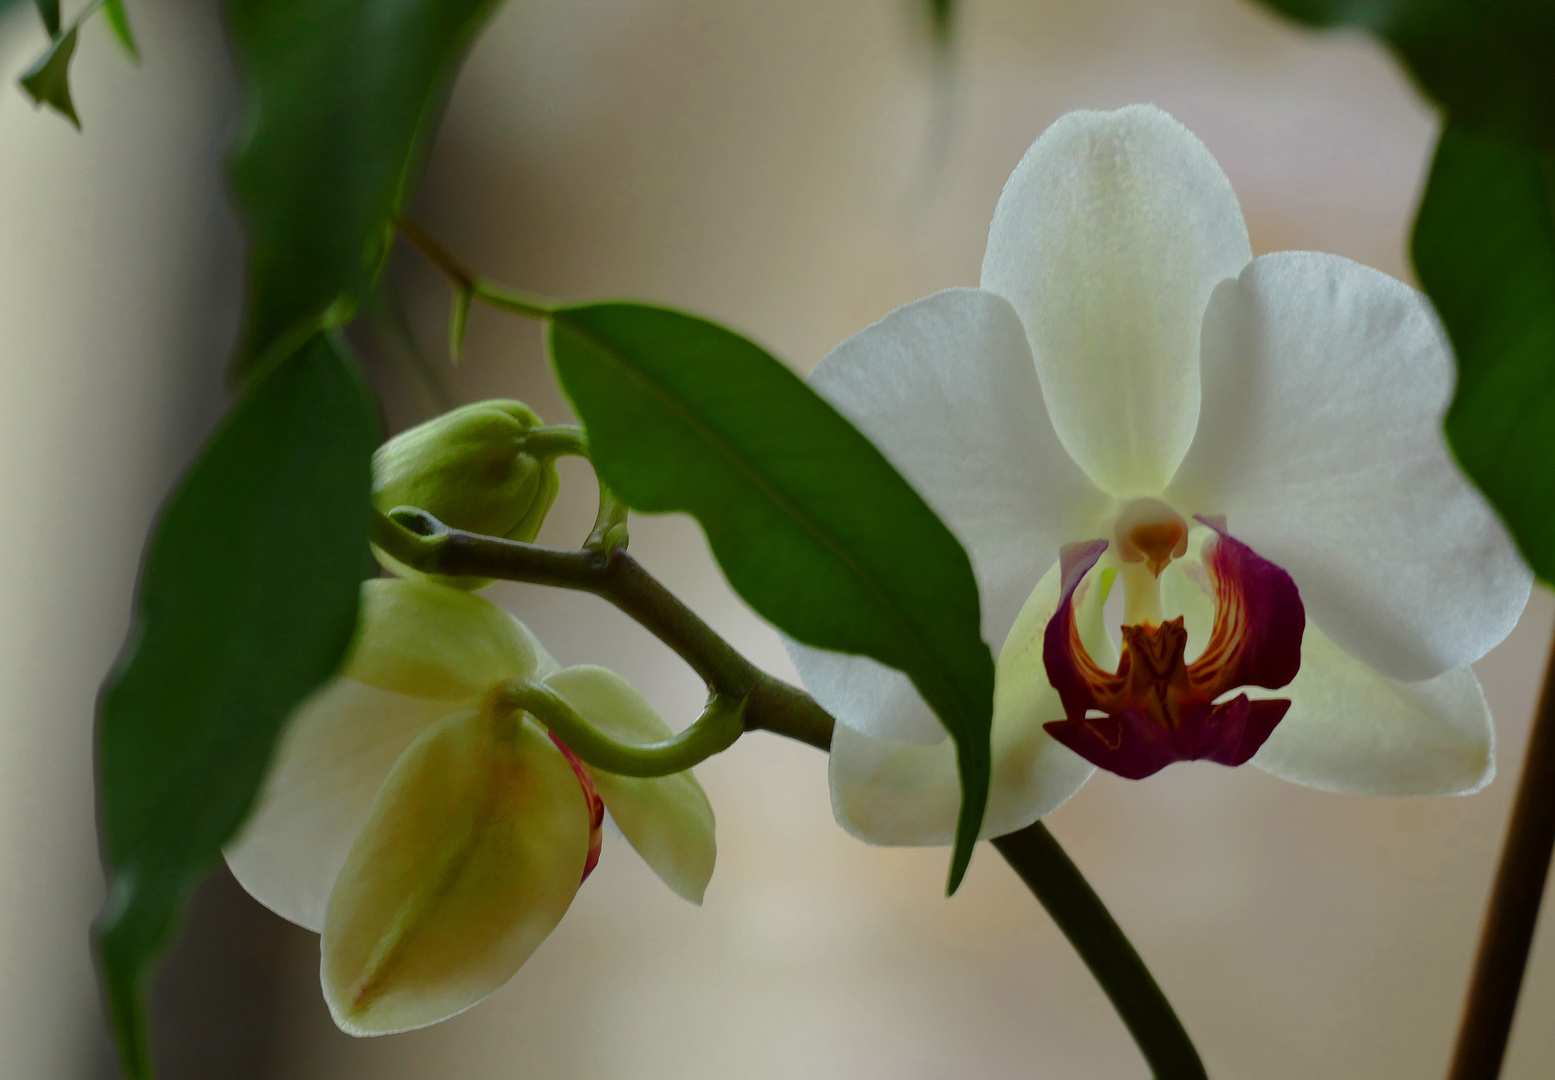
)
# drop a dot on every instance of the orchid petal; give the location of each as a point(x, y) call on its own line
point(1351, 729)
point(668, 819)
point(338, 747)
point(946, 388)
point(470, 857)
point(431, 641)
point(1320, 441)
point(1108, 239)
point(898, 794)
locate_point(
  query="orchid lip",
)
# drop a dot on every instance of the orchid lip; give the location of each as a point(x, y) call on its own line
point(1157, 708)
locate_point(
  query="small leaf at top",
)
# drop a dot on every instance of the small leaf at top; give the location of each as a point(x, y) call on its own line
point(247, 603)
point(119, 22)
point(340, 100)
point(47, 82)
point(814, 528)
point(1484, 247)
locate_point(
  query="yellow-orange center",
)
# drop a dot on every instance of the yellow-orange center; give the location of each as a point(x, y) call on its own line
point(1158, 542)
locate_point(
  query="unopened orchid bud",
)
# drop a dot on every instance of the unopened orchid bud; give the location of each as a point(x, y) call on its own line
point(472, 469)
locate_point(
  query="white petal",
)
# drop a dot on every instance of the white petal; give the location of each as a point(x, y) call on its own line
point(946, 388)
point(668, 818)
point(471, 855)
point(338, 747)
point(1350, 729)
point(1108, 239)
point(1320, 440)
point(431, 641)
point(903, 795)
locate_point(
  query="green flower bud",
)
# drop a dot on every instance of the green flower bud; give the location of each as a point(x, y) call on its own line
point(471, 469)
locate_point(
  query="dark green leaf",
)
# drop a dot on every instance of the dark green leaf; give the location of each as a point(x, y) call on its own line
point(247, 603)
point(48, 11)
point(812, 525)
point(1490, 63)
point(119, 22)
point(47, 82)
point(1484, 247)
point(341, 98)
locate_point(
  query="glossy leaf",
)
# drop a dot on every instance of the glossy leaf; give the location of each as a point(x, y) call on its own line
point(47, 82)
point(812, 525)
point(341, 99)
point(1490, 63)
point(1484, 247)
point(247, 603)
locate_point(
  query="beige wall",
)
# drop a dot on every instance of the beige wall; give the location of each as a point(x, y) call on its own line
point(108, 306)
point(771, 165)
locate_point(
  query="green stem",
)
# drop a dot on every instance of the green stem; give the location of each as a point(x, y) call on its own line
point(717, 729)
point(1513, 914)
point(467, 285)
point(421, 541)
point(1060, 887)
point(557, 440)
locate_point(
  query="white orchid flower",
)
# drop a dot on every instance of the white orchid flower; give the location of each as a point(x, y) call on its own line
point(1252, 445)
point(433, 839)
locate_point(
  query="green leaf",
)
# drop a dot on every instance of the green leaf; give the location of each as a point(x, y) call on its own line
point(47, 82)
point(247, 603)
point(48, 11)
point(1484, 247)
point(119, 22)
point(341, 98)
point(812, 525)
point(1490, 63)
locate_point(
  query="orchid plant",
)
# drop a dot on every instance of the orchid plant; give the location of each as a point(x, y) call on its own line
point(1138, 498)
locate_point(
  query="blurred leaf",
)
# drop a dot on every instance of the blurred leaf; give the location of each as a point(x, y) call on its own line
point(941, 20)
point(342, 96)
point(812, 525)
point(47, 82)
point(1484, 247)
point(48, 11)
point(119, 22)
point(458, 322)
point(1490, 63)
point(247, 603)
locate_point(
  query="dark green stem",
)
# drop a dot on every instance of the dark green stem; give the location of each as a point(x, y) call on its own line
point(1085, 921)
point(1513, 914)
point(419, 540)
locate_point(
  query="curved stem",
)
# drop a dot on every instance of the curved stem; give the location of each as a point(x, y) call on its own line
point(557, 440)
point(720, 724)
point(1060, 887)
point(1513, 914)
point(421, 541)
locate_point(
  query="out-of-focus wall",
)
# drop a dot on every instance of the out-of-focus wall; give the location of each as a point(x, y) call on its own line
point(771, 165)
point(118, 290)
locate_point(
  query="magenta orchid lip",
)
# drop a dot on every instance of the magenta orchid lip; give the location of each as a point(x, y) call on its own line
point(1158, 708)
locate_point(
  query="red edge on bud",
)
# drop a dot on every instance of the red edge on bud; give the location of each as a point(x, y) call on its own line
point(596, 806)
point(1157, 708)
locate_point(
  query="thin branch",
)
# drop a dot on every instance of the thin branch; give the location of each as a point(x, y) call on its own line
point(467, 284)
point(1513, 914)
point(1060, 887)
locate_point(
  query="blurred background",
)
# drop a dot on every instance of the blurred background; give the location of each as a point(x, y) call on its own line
point(796, 170)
